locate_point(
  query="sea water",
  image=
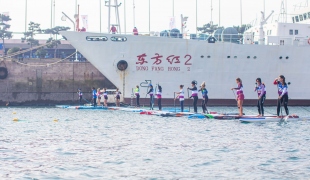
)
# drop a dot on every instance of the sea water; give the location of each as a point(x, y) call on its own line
point(52, 143)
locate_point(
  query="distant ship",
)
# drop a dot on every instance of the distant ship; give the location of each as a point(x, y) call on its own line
point(267, 51)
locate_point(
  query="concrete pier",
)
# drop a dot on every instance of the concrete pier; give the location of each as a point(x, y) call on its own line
point(33, 84)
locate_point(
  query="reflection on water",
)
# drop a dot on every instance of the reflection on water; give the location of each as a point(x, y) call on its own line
point(50, 143)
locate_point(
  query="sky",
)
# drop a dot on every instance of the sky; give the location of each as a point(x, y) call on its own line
point(42, 12)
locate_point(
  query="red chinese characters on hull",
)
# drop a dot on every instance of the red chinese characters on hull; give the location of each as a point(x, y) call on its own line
point(141, 59)
point(157, 59)
point(171, 59)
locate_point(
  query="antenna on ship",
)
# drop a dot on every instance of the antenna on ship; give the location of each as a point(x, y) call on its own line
point(117, 23)
point(283, 12)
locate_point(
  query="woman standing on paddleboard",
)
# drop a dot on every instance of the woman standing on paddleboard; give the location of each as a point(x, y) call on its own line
point(94, 97)
point(204, 93)
point(180, 95)
point(98, 97)
point(118, 97)
point(282, 92)
point(240, 95)
point(105, 96)
point(137, 94)
point(80, 94)
point(151, 93)
point(158, 95)
point(260, 88)
point(194, 95)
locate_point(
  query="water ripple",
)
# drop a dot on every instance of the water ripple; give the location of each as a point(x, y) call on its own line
point(50, 143)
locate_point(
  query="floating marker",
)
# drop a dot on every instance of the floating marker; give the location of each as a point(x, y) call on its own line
point(15, 119)
point(14, 112)
point(55, 120)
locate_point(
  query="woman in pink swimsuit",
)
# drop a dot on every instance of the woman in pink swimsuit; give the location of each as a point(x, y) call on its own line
point(240, 95)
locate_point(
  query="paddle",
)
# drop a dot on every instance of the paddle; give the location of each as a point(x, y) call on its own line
point(147, 90)
point(86, 100)
point(175, 110)
point(235, 97)
point(189, 106)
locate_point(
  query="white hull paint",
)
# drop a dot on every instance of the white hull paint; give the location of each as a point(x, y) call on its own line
point(218, 64)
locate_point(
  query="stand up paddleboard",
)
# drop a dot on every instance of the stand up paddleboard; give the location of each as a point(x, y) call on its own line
point(270, 119)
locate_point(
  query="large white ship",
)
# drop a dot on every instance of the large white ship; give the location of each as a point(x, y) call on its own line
point(267, 51)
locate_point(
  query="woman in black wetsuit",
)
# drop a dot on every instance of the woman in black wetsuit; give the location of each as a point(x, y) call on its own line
point(151, 93)
point(194, 95)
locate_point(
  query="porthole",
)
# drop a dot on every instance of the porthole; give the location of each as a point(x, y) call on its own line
point(228, 57)
point(235, 57)
point(248, 57)
point(208, 56)
point(118, 38)
point(280, 57)
point(286, 57)
point(254, 57)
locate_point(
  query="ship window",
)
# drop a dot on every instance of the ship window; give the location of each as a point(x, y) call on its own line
point(118, 38)
point(301, 18)
point(96, 38)
point(291, 31)
point(296, 32)
point(308, 15)
point(235, 57)
point(208, 56)
point(228, 57)
point(254, 57)
point(293, 19)
point(296, 18)
point(305, 16)
point(248, 57)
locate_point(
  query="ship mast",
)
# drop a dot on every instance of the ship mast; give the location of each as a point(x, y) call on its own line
point(117, 23)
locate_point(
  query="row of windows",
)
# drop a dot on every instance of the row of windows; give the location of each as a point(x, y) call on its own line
point(301, 17)
point(291, 32)
point(104, 38)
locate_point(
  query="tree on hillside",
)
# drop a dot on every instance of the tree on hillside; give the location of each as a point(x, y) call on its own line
point(54, 42)
point(41, 53)
point(208, 28)
point(13, 50)
point(32, 29)
point(243, 28)
point(4, 26)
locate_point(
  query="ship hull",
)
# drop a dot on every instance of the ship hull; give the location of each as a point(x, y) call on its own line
point(171, 62)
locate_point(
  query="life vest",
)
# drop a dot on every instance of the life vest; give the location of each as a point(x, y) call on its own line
point(158, 94)
point(282, 88)
point(181, 95)
point(194, 92)
point(137, 91)
point(240, 89)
